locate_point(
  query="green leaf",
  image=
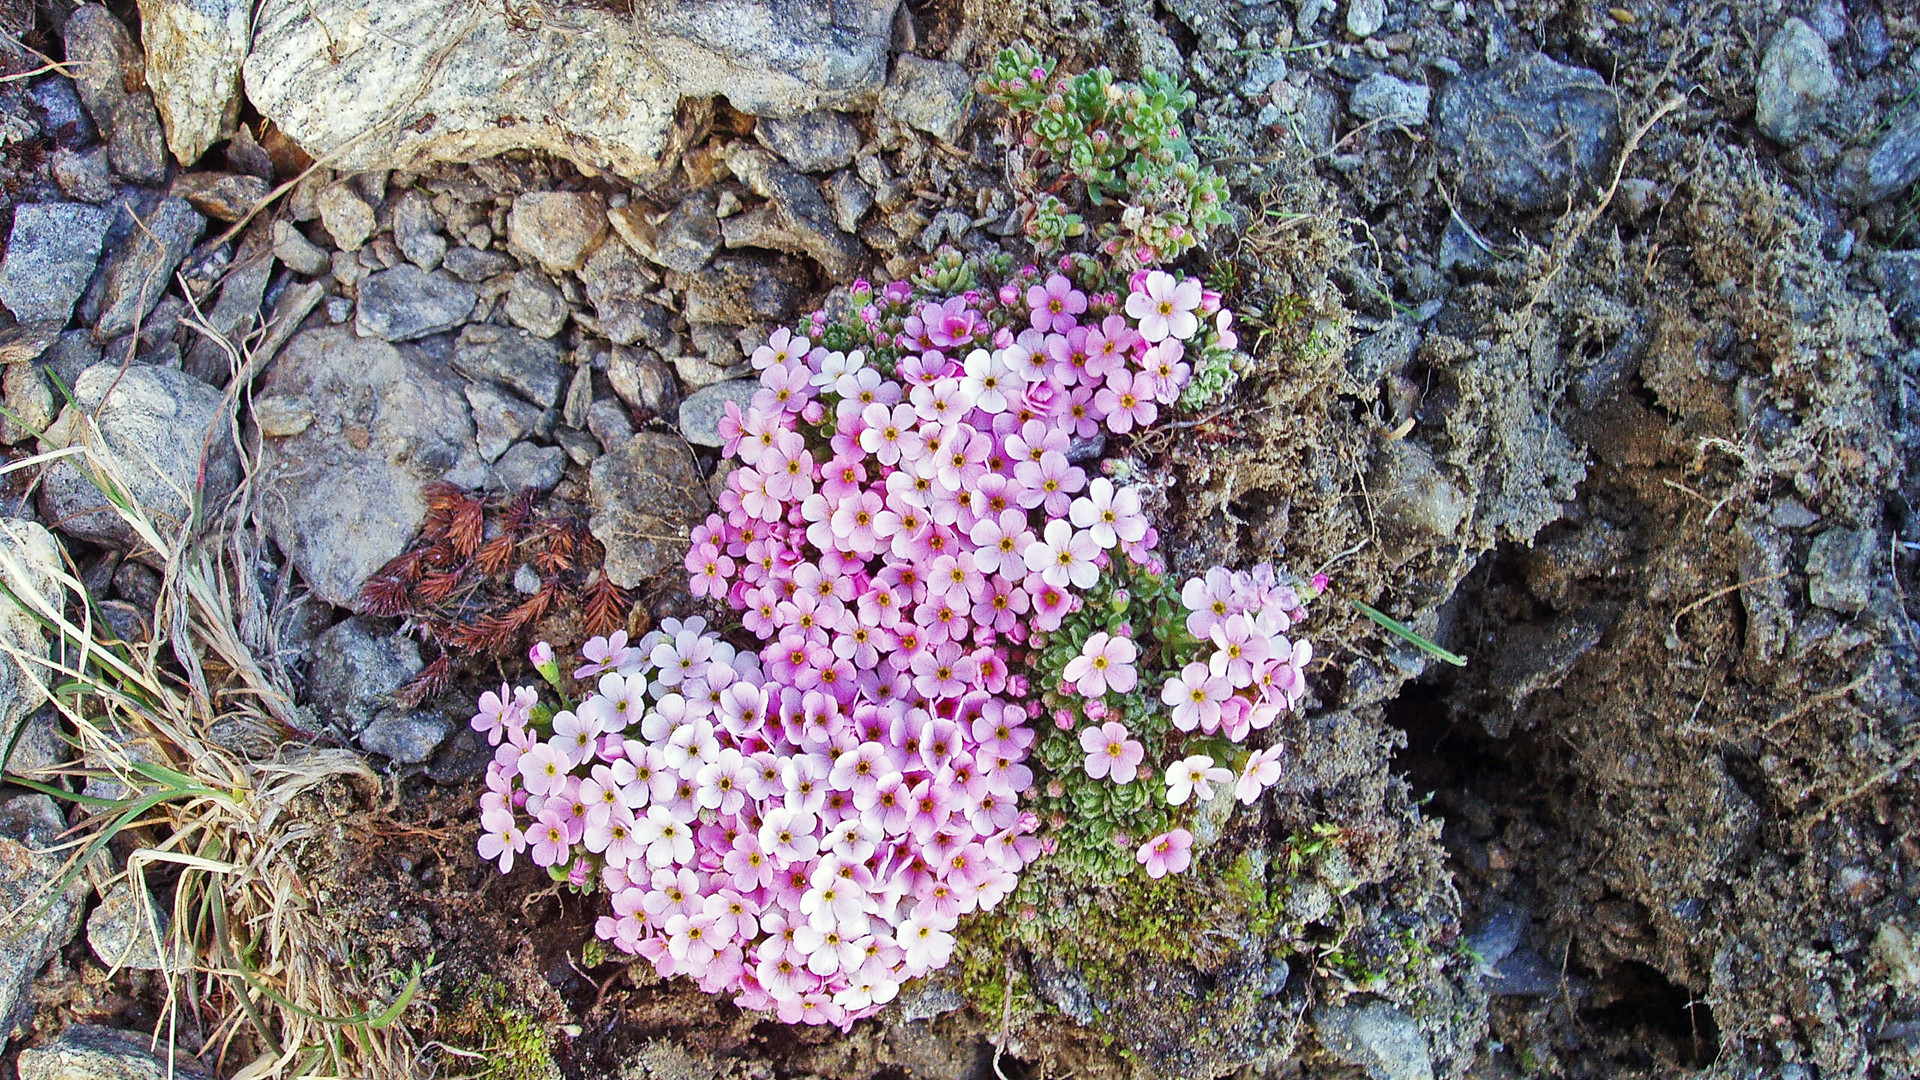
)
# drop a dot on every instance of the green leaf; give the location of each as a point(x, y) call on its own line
point(1408, 634)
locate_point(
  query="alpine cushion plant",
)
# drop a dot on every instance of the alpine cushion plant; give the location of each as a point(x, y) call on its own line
point(956, 653)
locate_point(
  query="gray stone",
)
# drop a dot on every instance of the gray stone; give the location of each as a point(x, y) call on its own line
point(302, 255)
point(579, 397)
point(818, 141)
point(86, 1052)
point(609, 422)
point(616, 282)
point(110, 73)
point(51, 255)
point(1412, 494)
point(394, 84)
point(1376, 1037)
point(527, 467)
point(345, 215)
point(194, 49)
point(407, 302)
point(281, 415)
point(931, 95)
point(30, 565)
point(30, 827)
point(646, 497)
point(354, 669)
point(531, 366)
point(1842, 566)
point(416, 230)
point(121, 935)
point(742, 289)
point(1526, 133)
point(1796, 80)
point(63, 118)
point(500, 419)
point(139, 271)
point(1383, 97)
point(157, 431)
point(924, 999)
point(1262, 73)
point(406, 737)
point(700, 414)
point(644, 382)
point(1886, 169)
point(344, 495)
point(684, 240)
point(220, 195)
point(851, 199)
point(1365, 17)
point(533, 304)
point(557, 229)
point(472, 264)
point(83, 174)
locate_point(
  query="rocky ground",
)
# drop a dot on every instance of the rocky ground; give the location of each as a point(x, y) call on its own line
point(1582, 337)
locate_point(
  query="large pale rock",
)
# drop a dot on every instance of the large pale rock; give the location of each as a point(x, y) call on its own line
point(194, 49)
point(344, 494)
point(30, 864)
point(110, 74)
point(159, 434)
point(390, 85)
point(647, 497)
point(29, 561)
point(87, 1052)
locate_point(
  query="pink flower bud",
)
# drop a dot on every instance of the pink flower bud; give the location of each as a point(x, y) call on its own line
point(1096, 710)
point(541, 653)
point(1017, 684)
point(1009, 295)
point(813, 412)
point(1209, 302)
point(1320, 583)
point(1062, 718)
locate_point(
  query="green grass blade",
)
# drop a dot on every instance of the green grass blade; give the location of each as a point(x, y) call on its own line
point(1408, 634)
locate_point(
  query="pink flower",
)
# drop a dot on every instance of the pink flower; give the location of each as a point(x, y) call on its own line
point(1128, 400)
point(1195, 695)
point(1262, 771)
point(1105, 663)
point(1111, 515)
point(1168, 853)
point(1111, 753)
point(1164, 307)
point(1064, 556)
point(1055, 304)
point(1194, 775)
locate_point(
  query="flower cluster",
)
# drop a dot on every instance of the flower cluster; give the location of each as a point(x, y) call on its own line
point(800, 812)
point(1123, 141)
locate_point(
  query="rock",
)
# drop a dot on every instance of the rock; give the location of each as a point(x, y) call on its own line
point(407, 302)
point(463, 758)
point(406, 737)
point(526, 467)
point(63, 118)
point(1842, 566)
point(1869, 175)
point(416, 230)
point(121, 935)
point(398, 83)
point(345, 215)
point(86, 1052)
point(930, 95)
point(469, 264)
point(344, 495)
point(851, 199)
point(302, 255)
point(149, 428)
point(1383, 97)
point(557, 229)
point(684, 240)
point(1414, 496)
point(51, 255)
point(819, 141)
point(194, 49)
point(1893, 948)
point(700, 414)
point(1262, 73)
point(646, 496)
point(535, 305)
point(83, 174)
point(106, 64)
point(515, 358)
point(742, 289)
point(30, 566)
point(644, 382)
point(609, 422)
point(1526, 133)
point(697, 372)
point(139, 271)
point(281, 415)
point(616, 282)
point(222, 196)
point(499, 419)
point(1796, 79)
point(30, 827)
point(354, 669)
point(1376, 1037)
point(1364, 17)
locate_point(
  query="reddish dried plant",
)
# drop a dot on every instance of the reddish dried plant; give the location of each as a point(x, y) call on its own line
point(456, 583)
